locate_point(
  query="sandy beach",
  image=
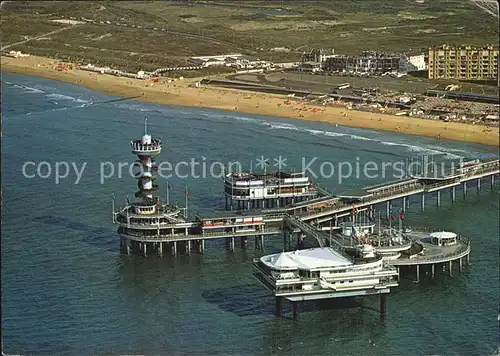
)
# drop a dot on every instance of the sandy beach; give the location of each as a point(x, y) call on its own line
point(182, 92)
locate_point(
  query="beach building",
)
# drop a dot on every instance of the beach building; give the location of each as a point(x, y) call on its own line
point(236, 60)
point(267, 189)
point(323, 273)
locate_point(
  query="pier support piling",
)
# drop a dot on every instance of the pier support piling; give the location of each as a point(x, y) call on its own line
point(244, 242)
point(383, 305)
point(450, 267)
point(295, 308)
point(418, 273)
point(460, 264)
point(278, 306)
point(174, 248)
point(452, 194)
point(438, 201)
point(478, 185)
point(422, 203)
point(160, 249)
point(388, 209)
point(465, 189)
point(404, 202)
point(492, 181)
point(432, 270)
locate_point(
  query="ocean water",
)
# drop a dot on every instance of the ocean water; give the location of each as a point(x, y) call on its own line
point(67, 290)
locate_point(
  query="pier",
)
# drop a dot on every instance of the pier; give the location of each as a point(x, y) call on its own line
point(286, 204)
point(295, 206)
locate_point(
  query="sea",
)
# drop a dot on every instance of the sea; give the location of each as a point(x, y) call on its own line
point(66, 289)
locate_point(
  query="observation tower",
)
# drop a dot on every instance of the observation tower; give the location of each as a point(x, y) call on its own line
point(147, 224)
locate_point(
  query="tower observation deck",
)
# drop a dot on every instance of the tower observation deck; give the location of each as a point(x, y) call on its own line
point(146, 149)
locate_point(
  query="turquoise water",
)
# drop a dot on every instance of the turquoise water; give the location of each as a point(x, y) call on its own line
point(67, 290)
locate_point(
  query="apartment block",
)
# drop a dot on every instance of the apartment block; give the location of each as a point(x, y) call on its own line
point(463, 62)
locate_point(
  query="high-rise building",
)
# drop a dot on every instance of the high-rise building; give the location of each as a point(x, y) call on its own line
point(463, 62)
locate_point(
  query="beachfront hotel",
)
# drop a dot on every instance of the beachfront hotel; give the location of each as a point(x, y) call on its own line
point(463, 62)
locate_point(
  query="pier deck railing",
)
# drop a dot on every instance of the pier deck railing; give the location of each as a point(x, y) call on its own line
point(461, 252)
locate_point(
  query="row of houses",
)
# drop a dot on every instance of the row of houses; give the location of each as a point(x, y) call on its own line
point(367, 62)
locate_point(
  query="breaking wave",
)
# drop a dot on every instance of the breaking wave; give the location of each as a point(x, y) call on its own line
point(26, 89)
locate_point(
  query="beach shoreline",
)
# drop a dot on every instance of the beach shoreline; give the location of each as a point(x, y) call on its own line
point(184, 93)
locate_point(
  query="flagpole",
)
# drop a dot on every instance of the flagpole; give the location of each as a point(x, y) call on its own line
point(168, 193)
point(113, 207)
point(187, 193)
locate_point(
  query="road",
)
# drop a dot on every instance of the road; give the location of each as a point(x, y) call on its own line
point(39, 36)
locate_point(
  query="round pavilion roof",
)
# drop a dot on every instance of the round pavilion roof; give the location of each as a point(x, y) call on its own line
point(443, 235)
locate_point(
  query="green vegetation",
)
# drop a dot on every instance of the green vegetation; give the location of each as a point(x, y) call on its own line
point(130, 42)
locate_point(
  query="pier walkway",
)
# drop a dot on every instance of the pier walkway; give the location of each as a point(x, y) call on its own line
point(306, 217)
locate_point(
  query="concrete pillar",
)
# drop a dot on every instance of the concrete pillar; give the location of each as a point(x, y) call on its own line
point(174, 248)
point(453, 194)
point(244, 242)
point(449, 267)
point(261, 242)
point(397, 269)
point(388, 209)
point(438, 201)
point(232, 243)
point(460, 264)
point(145, 248)
point(278, 306)
point(295, 306)
point(478, 185)
point(423, 202)
point(383, 305)
point(432, 270)
point(188, 247)
point(465, 189)
point(128, 246)
point(404, 202)
point(160, 249)
point(202, 246)
point(418, 273)
point(492, 181)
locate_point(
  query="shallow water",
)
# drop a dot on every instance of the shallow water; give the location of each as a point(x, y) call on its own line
point(67, 290)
